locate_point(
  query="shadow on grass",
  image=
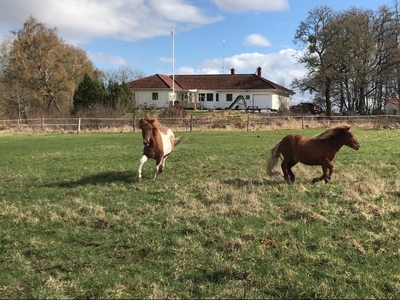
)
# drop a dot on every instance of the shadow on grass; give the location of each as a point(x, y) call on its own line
point(98, 179)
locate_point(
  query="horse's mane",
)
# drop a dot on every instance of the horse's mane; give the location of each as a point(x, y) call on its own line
point(152, 120)
point(331, 132)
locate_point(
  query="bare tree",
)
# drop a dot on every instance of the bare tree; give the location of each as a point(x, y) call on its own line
point(123, 74)
point(388, 37)
point(14, 98)
point(353, 57)
point(41, 62)
point(315, 33)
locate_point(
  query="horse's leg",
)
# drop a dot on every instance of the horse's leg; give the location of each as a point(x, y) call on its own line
point(157, 167)
point(324, 174)
point(331, 168)
point(141, 163)
point(327, 169)
point(284, 165)
point(291, 164)
point(162, 165)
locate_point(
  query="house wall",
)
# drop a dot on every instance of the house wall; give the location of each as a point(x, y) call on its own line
point(145, 98)
point(222, 102)
point(263, 99)
point(270, 100)
point(280, 100)
point(275, 102)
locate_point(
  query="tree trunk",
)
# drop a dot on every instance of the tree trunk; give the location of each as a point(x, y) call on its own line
point(328, 97)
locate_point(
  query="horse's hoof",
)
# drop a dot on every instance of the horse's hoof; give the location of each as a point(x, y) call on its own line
point(138, 179)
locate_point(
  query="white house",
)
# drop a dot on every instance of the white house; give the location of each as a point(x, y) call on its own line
point(392, 106)
point(214, 91)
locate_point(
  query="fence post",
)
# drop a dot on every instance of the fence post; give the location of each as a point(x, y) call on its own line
point(248, 122)
point(191, 124)
point(79, 125)
point(42, 123)
point(134, 124)
point(302, 122)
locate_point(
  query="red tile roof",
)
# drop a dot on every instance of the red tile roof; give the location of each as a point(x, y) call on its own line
point(208, 82)
point(393, 100)
point(152, 82)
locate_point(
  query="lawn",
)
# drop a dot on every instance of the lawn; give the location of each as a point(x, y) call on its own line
point(75, 223)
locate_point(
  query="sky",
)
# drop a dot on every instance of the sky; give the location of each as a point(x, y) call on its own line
point(210, 36)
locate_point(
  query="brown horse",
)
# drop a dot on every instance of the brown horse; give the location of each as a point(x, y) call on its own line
point(319, 150)
point(158, 142)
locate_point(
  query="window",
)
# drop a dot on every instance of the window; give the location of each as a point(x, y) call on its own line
point(210, 97)
point(247, 97)
point(229, 97)
point(217, 97)
point(154, 96)
point(202, 97)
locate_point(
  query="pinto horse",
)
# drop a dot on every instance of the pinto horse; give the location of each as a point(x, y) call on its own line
point(319, 150)
point(158, 141)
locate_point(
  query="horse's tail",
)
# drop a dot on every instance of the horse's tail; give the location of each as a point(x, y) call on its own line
point(273, 159)
point(178, 140)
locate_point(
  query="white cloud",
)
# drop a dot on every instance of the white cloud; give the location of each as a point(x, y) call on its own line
point(180, 11)
point(252, 5)
point(193, 71)
point(166, 60)
point(256, 40)
point(80, 21)
point(101, 58)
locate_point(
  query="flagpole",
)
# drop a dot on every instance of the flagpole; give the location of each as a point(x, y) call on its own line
point(223, 56)
point(173, 68)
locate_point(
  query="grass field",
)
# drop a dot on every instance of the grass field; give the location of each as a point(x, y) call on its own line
point(74, 223)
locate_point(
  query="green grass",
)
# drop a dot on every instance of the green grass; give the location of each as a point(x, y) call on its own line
point(74, 223)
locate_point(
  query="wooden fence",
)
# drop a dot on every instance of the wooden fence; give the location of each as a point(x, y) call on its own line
point(217, 121)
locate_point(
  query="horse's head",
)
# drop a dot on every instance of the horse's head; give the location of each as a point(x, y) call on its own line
point(150, 127)
point(148, 130)
point(349, 139)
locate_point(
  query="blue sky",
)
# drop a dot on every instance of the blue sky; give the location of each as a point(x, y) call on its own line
point(211, 36)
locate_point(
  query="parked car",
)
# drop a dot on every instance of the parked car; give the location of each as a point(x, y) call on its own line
point(306, 107)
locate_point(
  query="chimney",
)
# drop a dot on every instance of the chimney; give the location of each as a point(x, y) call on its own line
point(259, 71)
point(233, 71)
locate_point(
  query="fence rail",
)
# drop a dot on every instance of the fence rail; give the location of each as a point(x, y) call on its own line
point(244, 122)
